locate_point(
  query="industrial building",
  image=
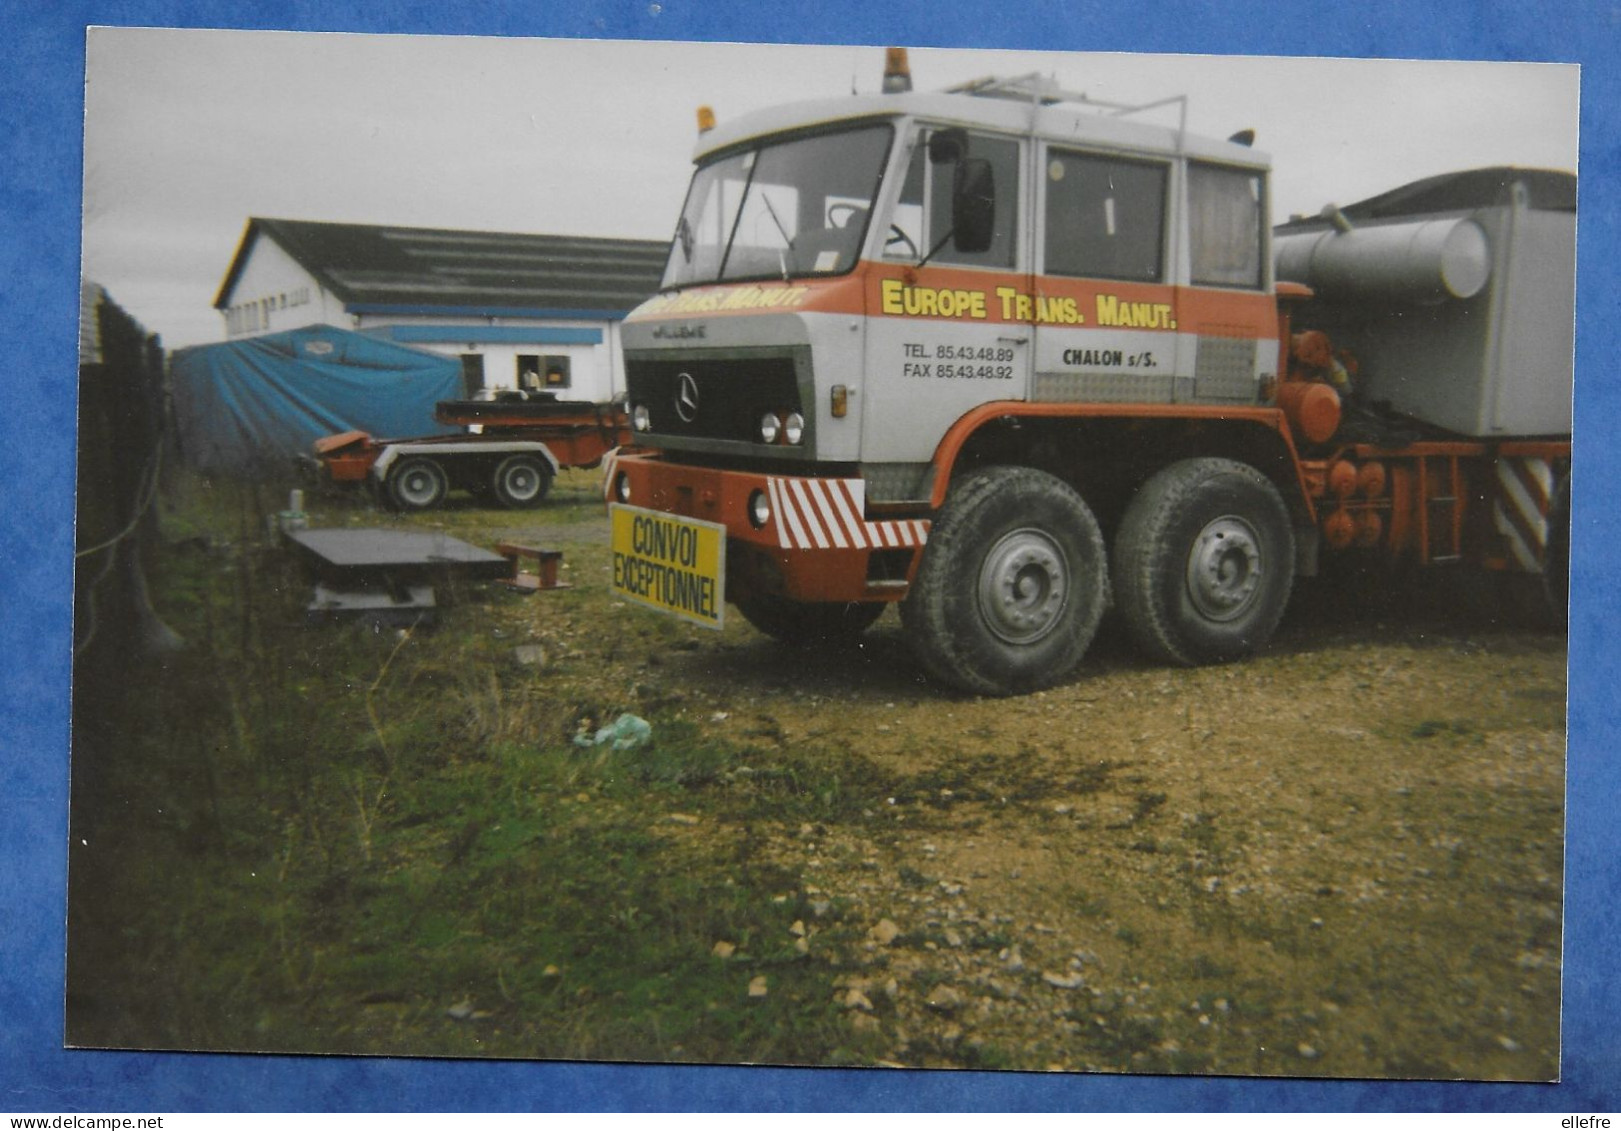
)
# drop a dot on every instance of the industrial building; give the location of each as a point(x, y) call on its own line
point(517, 310)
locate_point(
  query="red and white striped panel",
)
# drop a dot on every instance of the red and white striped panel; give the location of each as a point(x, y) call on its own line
point(1520, 511)
point(822, 514)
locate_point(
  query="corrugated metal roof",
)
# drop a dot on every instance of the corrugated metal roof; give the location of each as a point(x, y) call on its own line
point(433, 267)
point(1551, 190)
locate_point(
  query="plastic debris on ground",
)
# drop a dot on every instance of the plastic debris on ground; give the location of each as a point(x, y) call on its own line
point(625, 733)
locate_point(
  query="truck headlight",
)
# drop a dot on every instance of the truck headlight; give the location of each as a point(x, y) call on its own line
point(793, 429)
point(622, 487)
point(759, 510)
point(640, 418)
point(770, 427)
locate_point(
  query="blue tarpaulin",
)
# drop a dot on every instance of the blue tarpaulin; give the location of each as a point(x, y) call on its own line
point(259, 402)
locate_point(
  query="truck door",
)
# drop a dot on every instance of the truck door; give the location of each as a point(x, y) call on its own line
point(1228, 318)
point(1105, 313)
point(949, 335)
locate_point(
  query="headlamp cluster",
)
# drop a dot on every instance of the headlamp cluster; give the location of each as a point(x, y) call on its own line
point(774, 428)
point(789, 429)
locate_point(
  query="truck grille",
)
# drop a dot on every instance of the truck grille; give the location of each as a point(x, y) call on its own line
point(724, 397)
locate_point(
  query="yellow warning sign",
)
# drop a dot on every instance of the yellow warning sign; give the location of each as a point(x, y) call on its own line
point(673, 564)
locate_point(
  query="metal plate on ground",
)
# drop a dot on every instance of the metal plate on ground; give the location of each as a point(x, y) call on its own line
point(349, 556)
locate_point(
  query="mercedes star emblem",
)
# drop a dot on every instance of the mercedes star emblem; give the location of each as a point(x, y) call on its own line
point(686, 399)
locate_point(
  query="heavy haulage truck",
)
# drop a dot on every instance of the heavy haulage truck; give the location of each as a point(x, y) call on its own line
point(1007, 357)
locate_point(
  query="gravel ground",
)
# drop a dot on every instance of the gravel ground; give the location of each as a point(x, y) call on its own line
point(1340, 858)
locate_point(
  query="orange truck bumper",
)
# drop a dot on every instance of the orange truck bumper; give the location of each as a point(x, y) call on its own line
point(816, 542)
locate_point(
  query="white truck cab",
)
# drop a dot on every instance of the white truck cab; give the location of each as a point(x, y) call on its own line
point(977, 351)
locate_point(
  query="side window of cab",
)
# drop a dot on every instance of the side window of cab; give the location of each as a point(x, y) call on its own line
point(1226, 226)
point(922, 220)
point(1105, 217)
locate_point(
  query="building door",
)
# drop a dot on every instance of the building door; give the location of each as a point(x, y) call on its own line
point(472, 374)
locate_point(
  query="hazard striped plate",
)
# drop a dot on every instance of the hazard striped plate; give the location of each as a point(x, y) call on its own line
point(824, 514)
point(1520, 513)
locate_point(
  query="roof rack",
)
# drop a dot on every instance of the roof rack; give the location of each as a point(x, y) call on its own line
point(1043, 90)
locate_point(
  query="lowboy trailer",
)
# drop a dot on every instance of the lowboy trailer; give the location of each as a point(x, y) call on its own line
point(511, 461)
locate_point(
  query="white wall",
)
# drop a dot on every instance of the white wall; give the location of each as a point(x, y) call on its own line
point(274, 293)
point(595, 371)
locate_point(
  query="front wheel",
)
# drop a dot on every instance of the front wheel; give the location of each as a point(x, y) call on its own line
point(521, 481)
point(1012, 584)
point(417, 483)
point(803, 623)
point(1204, 562)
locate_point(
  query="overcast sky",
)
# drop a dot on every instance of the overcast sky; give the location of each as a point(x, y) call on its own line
point(188, 133)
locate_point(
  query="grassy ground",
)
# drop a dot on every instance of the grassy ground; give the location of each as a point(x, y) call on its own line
point(336, 838)
point(1341, 858)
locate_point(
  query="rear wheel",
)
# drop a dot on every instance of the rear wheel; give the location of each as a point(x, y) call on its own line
point(808, 622)
point(417, 483)
point(1204, 562)
point(1012, 584)
point(521, 481)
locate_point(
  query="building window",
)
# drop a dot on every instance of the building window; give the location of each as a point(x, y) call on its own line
point(541, 372)
point(529, 377)
point(1105, 217)
point(472, 374)
point(1224, 226)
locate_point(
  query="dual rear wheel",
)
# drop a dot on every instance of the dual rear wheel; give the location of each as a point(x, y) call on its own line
point(1203, 562)
point(416, 483)
point(517, 482)
point(1012, 584)
point(1016, 577)
point(521, 481)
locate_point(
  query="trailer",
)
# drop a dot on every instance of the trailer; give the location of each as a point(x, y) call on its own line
point(1006, 356)
point(509, 454)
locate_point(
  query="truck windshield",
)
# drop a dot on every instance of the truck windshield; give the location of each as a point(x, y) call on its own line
point(779, 209)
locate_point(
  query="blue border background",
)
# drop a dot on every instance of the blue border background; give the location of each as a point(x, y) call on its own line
point(41, 115)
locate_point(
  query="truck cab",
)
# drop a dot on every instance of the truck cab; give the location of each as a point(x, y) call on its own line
point(859, 293)
point(1003, 355)
point(878, 267)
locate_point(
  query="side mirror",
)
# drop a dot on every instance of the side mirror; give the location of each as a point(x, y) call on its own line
point(973, 205)
point(948, 145)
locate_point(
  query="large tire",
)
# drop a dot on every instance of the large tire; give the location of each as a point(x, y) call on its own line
point(521, 481)
point(1013, 582)
point(1204, 562)
point(803, 623)
point(417, 483)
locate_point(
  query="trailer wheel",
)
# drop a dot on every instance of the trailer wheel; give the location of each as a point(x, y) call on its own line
point(1204, 562)
point(1012, 585)
point(808, 622)
point(417, 483)
point(521, 481)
